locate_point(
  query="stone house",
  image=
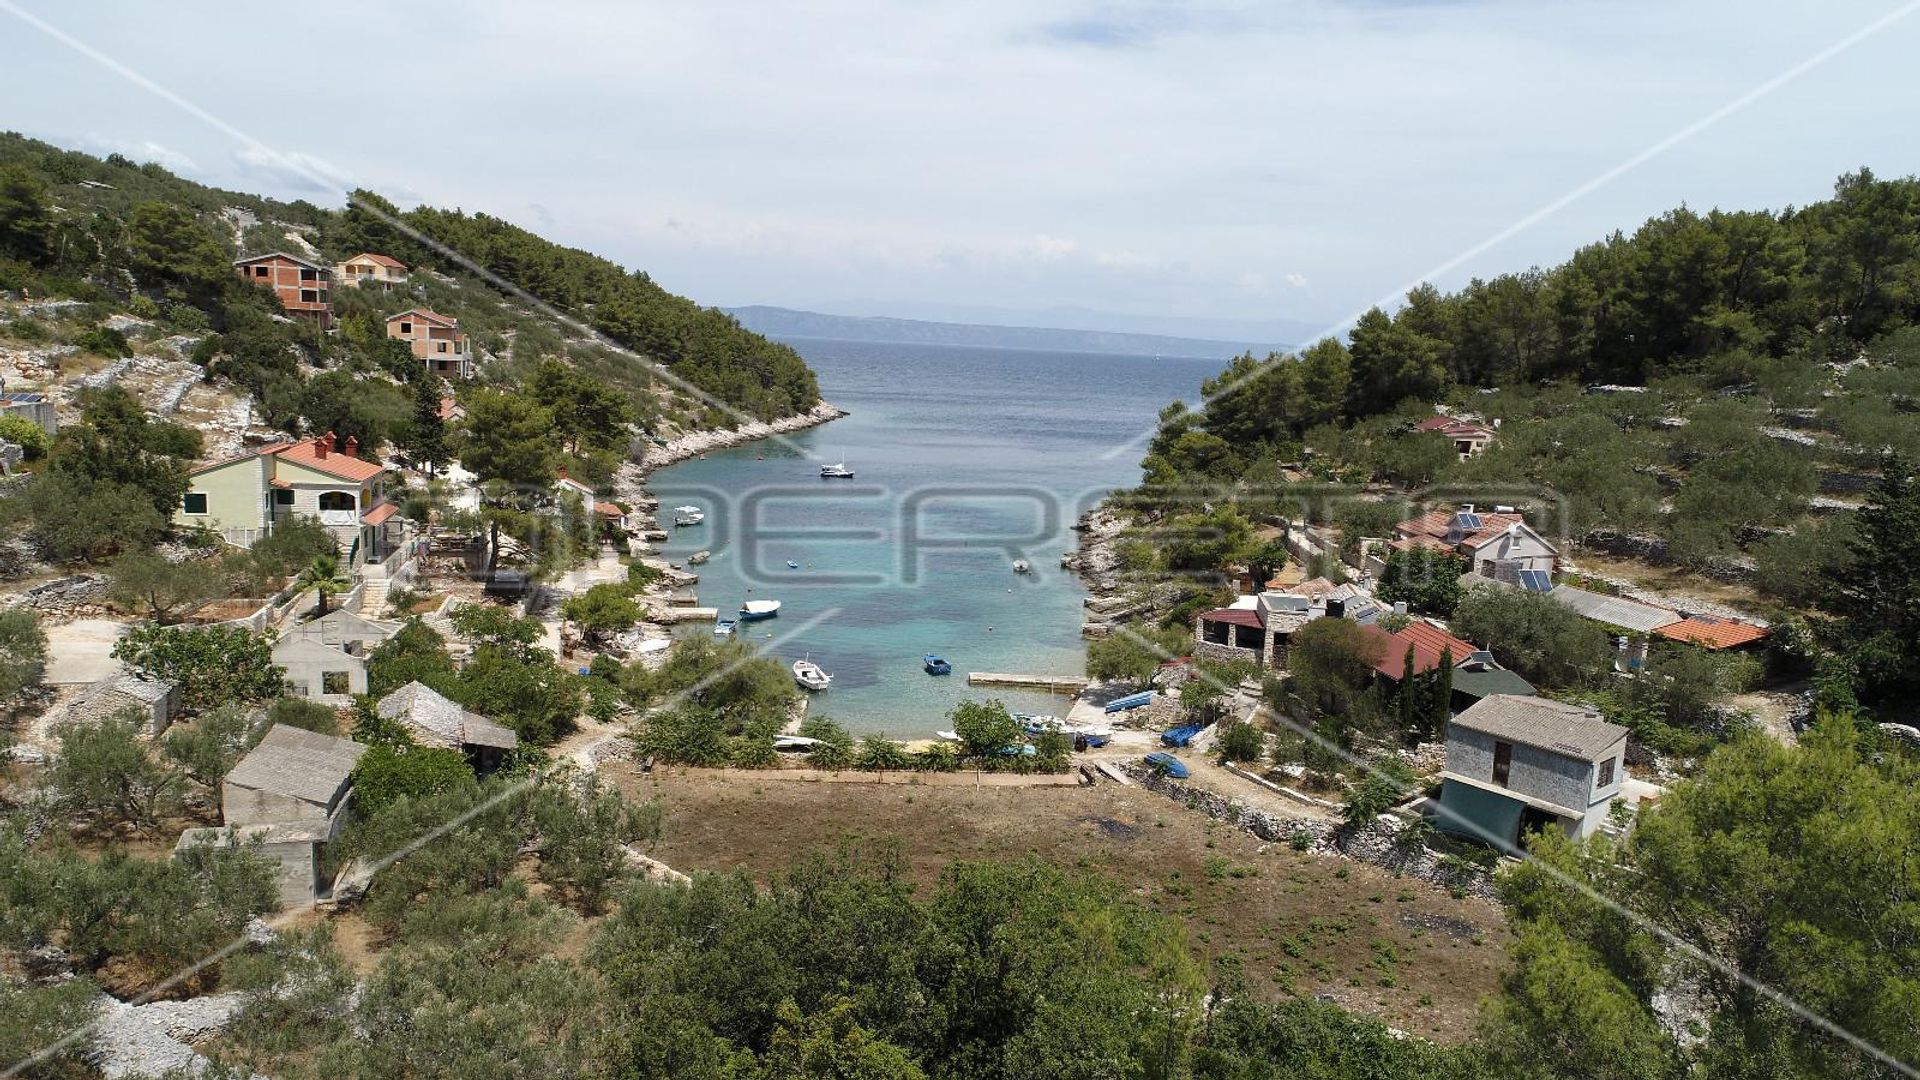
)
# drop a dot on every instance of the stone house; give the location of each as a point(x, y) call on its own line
point(436, 339)
point(31, 406)
point(155, 700)
point(291, 794)
point(319, 671)
point(1520, 763)
point(1257, 627)
point(344, 630)
point(371, 271)
point(304, 288)
point(244, 497)
point(436, 720)
point(1469, 437)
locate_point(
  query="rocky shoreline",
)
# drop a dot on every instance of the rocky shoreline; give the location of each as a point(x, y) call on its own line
point(695, 443)
point(1095, 562)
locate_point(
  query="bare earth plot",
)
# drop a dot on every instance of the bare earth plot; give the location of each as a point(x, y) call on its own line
point(1394, 948)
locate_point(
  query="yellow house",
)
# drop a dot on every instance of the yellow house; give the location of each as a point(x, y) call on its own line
point(366, 268)
point(242, 498)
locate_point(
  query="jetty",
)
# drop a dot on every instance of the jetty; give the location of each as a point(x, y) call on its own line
point(1052, 684)
point(682, 614)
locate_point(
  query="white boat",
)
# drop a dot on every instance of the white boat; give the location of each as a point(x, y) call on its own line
point(699, 557)
point(723, 627)
point(794, 743)
point(948, 736)
point(1022, 566)
point(759, 609)
point(837, 471)
point(688, 515)
point(808, 674)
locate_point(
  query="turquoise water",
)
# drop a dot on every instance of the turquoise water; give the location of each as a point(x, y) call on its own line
point(966, 459)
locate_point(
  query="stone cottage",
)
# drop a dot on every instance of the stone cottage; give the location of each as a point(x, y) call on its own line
point(1516, 764)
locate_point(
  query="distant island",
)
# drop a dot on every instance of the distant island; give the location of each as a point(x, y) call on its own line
point(785, 323)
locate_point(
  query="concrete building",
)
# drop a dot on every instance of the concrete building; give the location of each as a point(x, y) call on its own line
point(342, 629)
point(244, 497)
point(291, 793)
point(436, 339)
point(367, 270)
point(304, 288)
point(30, 406)
point(1516, 764)
point(291, 775)
point(319, 671)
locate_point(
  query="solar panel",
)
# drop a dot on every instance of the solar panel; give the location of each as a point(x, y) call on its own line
point(1536, 580)
point(1467, 521)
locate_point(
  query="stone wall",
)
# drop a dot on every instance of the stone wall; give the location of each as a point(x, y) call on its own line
point(81, 596)
point(1378, 843)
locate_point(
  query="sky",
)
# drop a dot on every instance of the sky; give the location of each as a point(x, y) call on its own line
point(1206, 167)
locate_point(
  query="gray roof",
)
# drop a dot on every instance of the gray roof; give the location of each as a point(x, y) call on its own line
point(1615, 610)
point(139, 687)
point(298, 763)
point(1571, 730)
point(314, 650)
point(342, 627)
point(437, 720)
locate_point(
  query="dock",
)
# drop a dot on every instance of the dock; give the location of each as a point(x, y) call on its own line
point(683, 614)
point(1052, 684)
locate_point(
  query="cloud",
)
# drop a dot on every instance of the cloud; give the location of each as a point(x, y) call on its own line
point(292, 170)
point(1298, 281)
point(142, 151)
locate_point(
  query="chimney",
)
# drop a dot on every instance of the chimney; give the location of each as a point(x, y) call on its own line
point(1496, 423)
point(353, 446)
point(323, 445)
point(1513, 529)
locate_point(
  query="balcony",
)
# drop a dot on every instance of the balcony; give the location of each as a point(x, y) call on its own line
point(339, 517)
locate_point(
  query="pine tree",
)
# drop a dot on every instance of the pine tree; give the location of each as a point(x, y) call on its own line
point(1876, 593)
point(1440, 693)
point(426, 441)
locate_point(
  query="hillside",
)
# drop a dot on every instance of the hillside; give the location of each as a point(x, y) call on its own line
point(115, 239)
point(786, 322)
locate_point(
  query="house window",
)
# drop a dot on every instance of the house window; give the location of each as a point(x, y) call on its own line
point(334, 682)
point(336, 500)
point(309, 275)
point(283, 496)
point(1502, 762)
point(440, 346)
point(406, 328)
point(309, 296)
point(194, 503)
point(1606, 774)
point(260, 271)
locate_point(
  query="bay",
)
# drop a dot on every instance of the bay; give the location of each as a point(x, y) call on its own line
point(965, 460)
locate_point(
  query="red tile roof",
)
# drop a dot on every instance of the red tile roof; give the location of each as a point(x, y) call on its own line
point(448, 407)
point(608, 510)
point(336, 463)
point(379, 514)
point(426, 315)
point(1712, 633)
point(381, 259)
point(1428, 642)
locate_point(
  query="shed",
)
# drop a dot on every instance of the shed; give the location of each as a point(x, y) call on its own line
point(293, 848)
point(433, 719)
point(155, 699)
point(1515, 763)
point(293, 775)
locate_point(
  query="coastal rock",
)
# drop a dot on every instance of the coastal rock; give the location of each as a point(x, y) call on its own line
point(695, 443)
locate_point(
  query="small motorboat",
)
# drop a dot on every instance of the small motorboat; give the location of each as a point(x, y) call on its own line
point(724, 627)
point(699, 557)
point(1131, 701)
point(836, 471)
point(935, 665)
point(794, 744)
point(1022, 566)
point(791, 565)
point(1167, 765)
point(948, 736)
point(808, 674)
point(754, 610)
point(688, 515)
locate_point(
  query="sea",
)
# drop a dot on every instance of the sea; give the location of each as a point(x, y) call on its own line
point(965, 460)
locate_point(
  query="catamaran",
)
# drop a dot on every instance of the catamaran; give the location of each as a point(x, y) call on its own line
point(808, 674)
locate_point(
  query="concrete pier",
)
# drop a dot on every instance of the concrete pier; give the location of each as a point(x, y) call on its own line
point(1052, 684)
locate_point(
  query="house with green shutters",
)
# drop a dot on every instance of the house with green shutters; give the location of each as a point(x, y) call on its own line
point(244, 497)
